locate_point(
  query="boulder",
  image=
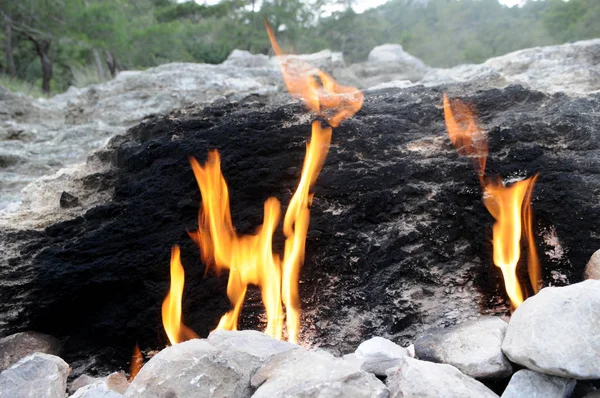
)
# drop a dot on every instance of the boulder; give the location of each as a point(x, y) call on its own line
point(200, 368)
point(474, 347)
point(416, 378)
point(377, 354)
point(592, 269)
point(301, 373)
point(20, 345)
point(556, 331)
point(37, 375)
point(246, 59)
point(527, 383)
point(96, 390)
point(389, 62)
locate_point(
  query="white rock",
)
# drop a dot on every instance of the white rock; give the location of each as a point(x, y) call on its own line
point(556, 331)
point(473, 347)
point(527, 383)
point(592, 269)
point(37, 375)
point(377, 354)
point(98, 389)
point(218, 367)
point(302, 373)
point(246, 59)
point(20, 345)
point(415, 378)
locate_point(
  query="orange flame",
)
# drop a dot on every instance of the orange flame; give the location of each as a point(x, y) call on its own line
point(295, 225)
point(320, 92)
point(465, 134)
point(249, 258)
point(137, 361)
point(509, 205)
point(176, 331)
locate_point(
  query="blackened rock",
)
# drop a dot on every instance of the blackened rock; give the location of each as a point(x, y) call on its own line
point(474, 347)
point(67, 200)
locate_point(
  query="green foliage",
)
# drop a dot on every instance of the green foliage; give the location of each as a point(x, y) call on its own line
point(88, 39)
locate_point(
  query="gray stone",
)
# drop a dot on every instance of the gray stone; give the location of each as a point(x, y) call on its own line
point(592, 269)
point(35, 376)
point(474, 347)
point(20, 345)
point(302, 373)
point(218, 367)
point(416, 378)
point(96, 390)
point(81, 382)
point(530, 384)
point(556, 331)
point(246, 59)
point(377, 354)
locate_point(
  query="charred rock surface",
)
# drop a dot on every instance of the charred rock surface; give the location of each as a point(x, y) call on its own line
point(399, 240)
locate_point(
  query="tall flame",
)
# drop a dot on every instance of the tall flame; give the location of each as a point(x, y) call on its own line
point(249, 258)
point(509, 205)
point(171, 308)
point(320, 92)
point(295, 225)
point(137, 361)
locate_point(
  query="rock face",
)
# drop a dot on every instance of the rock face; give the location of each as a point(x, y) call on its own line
point(473, 347)
point(20, 345)
point(398, 241)
point(386, 63)
point(415, 378)
point(219, 367)
point(526, 383)
point(592, 269)
point(556, 332)
point(38, 375)
point(377, 354)
point(300, 373)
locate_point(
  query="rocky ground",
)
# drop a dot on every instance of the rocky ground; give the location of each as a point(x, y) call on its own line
point(398, 241)
point(544, 351)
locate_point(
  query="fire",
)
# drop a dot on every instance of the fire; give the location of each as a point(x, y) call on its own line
point(249, 258)
point(320, 92)
point(171, 308)
point(509, 205)
point(137, 361)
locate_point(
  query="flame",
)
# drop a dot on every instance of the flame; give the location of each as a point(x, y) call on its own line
point(249, 258)
point(171, 308)
point(320, 92)
point(505, 204)
point(295, 225)
point(509, 205)
point(465, 134)
point(137, 361)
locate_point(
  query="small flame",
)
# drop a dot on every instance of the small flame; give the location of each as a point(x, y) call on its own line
point(137, 361)
point(176, 331)
point(249, 258)
point(509, 205)
point(320, 92)
point(465, 134)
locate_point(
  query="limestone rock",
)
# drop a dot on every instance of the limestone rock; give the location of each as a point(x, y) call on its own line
point(416, 378)
point(474, 347)
point(592, 269)
point(527, 383)
point(218, 367)
point(114, 384)
point(81, 382)
point(377, 354)
point(556, 331)
point(302, 373)
point(96, 390)
point(246, 59)
point(20, 345)
point(38, 375)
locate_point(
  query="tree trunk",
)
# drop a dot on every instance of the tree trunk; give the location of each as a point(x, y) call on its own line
point(99, 68)
point(10, 61)
point(111, 62)
point(42, 47)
